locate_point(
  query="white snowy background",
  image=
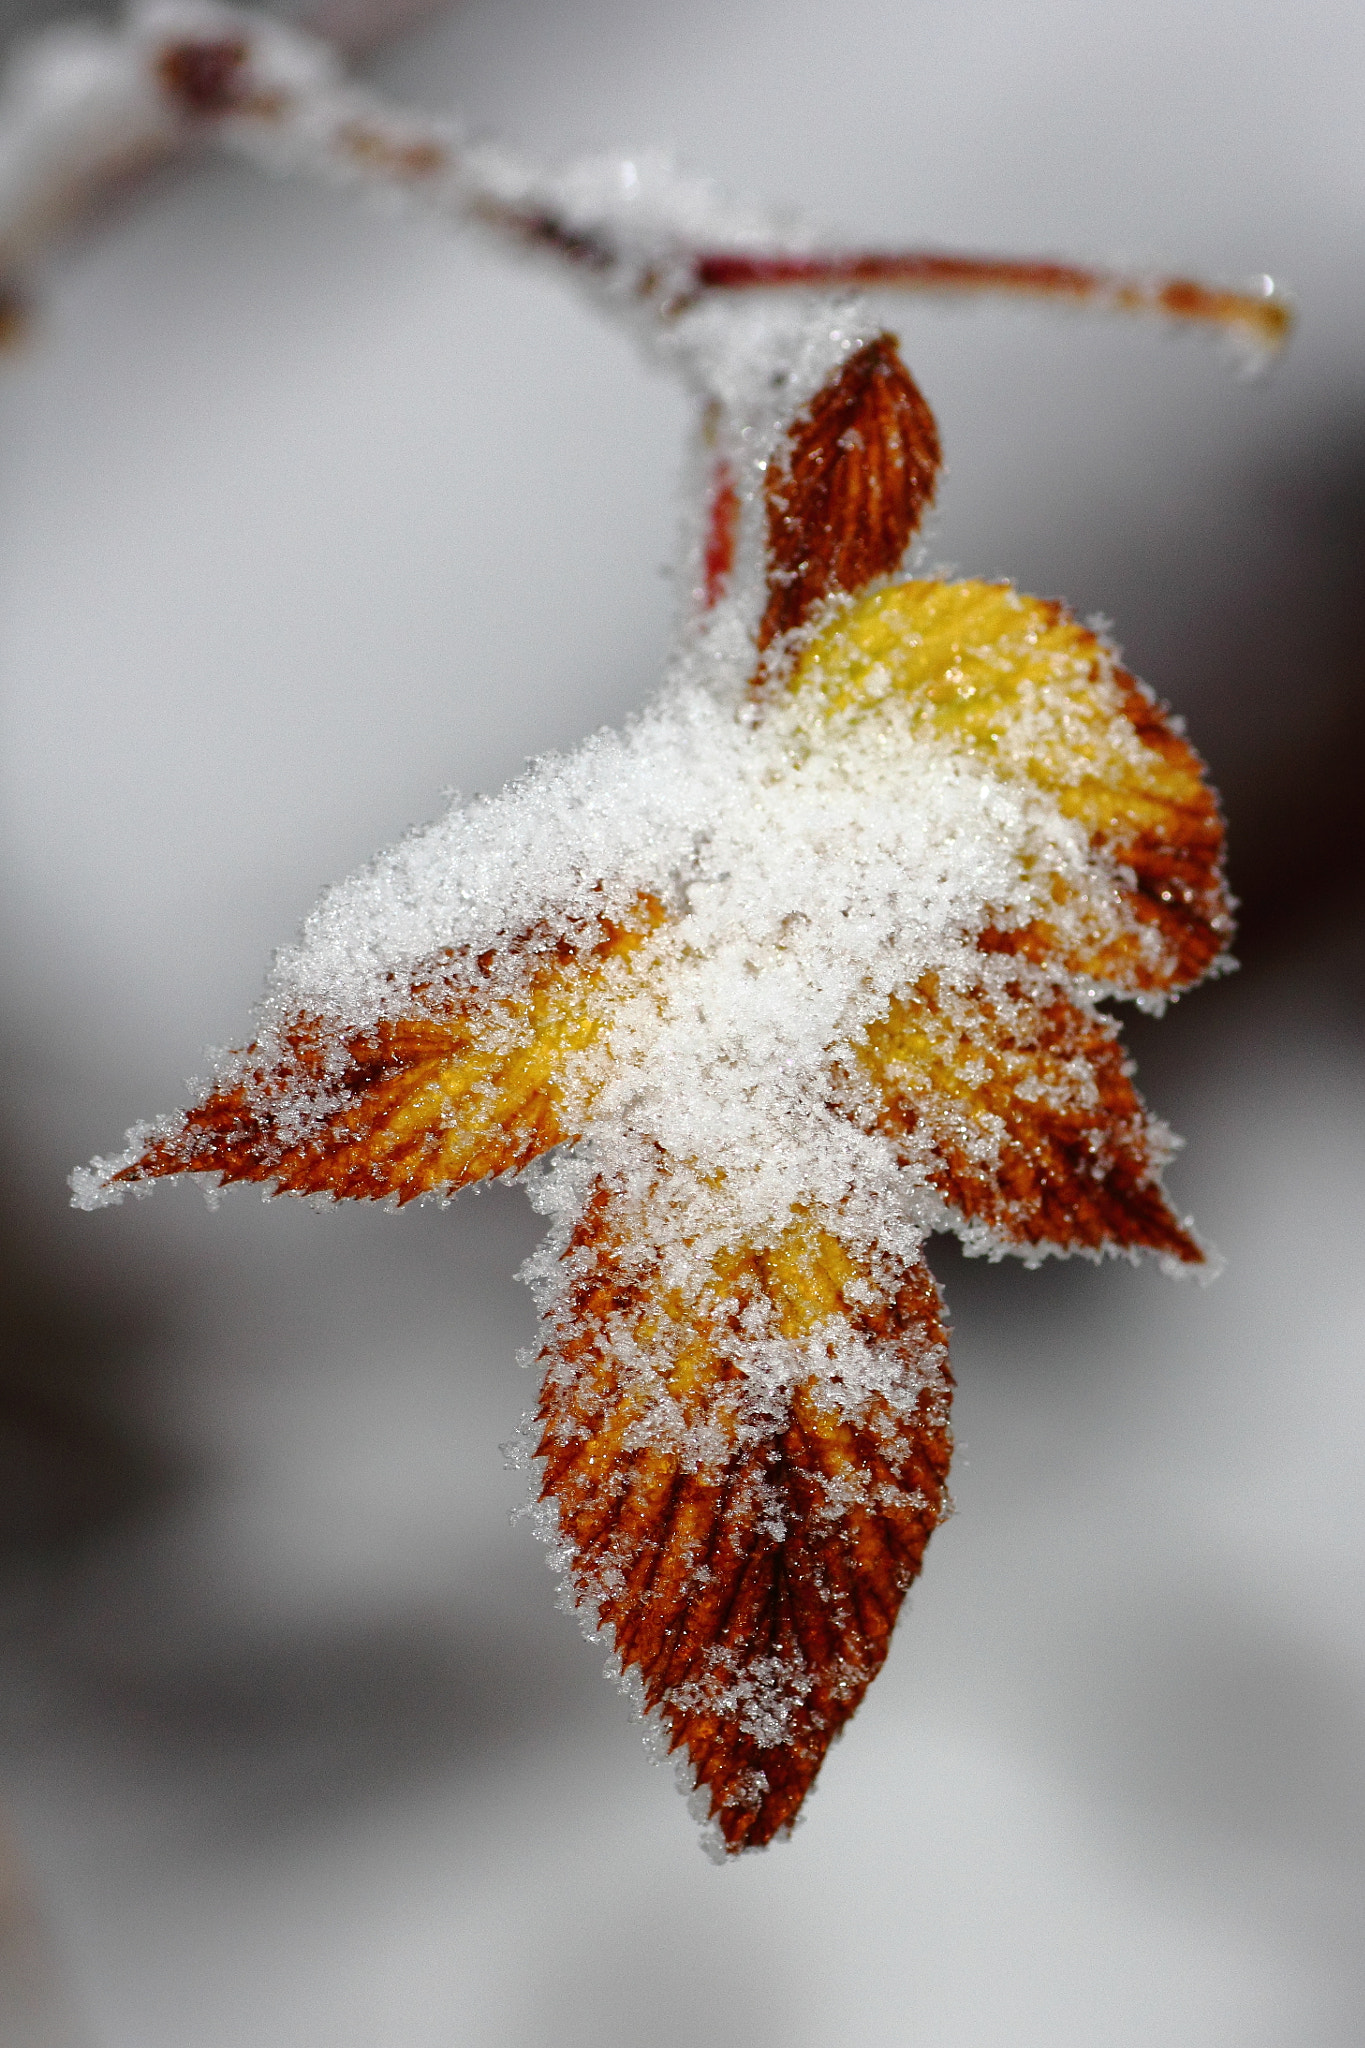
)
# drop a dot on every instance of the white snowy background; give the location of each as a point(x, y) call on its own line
point(307, 513)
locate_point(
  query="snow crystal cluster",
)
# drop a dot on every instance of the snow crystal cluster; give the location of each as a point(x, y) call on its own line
point(815, 865)
point(812, 863)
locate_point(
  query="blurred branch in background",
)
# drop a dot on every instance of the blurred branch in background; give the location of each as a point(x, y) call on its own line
point(78, 132)
point(86, 108)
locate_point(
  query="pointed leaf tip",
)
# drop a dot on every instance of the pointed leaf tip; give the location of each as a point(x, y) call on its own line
point(485, 1069)
point(745, 1466)
point(1016, 1103)
point(848, 495)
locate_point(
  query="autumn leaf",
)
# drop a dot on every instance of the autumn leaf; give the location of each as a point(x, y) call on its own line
point(747, 1536)
point(757, 996)
point(471, 1080)
point(1015, 1101)
point(851, 488)
point(1043, 701)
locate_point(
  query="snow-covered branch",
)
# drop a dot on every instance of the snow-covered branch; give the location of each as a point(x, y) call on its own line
point(82, 106)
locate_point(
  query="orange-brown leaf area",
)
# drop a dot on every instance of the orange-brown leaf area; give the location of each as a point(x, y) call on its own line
point(743, 1425)
point(1018, 1106)
point(1020, 687)
point(848, 495)
point(475, 1079)
point(744, 1469)
point(1174, 849)
point(960, 820)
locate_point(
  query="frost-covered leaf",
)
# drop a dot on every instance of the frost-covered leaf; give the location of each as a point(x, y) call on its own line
point(760, 957)
point(483, 1070)
point(1041, 700)
point(744, 1459)
point(851, 487)
point(758, 994)
point(1014, 1100)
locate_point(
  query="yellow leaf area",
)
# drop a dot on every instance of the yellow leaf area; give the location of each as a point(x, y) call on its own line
point(1017, 683)
point(478, 1079)
point(1016, 1103)
point(746, 1535)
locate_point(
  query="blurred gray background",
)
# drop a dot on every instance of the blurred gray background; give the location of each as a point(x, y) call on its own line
point(306, 513)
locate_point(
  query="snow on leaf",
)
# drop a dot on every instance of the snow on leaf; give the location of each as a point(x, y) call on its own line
point(1037, 697)
point(745, 1460)
point(795, 971)
point(475, 1077)
point(1014, 1099)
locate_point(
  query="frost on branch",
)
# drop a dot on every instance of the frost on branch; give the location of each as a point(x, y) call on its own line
point(799, 969)
point(83, 105)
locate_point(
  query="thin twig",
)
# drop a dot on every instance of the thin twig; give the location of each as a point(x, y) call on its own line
point(80, 107)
